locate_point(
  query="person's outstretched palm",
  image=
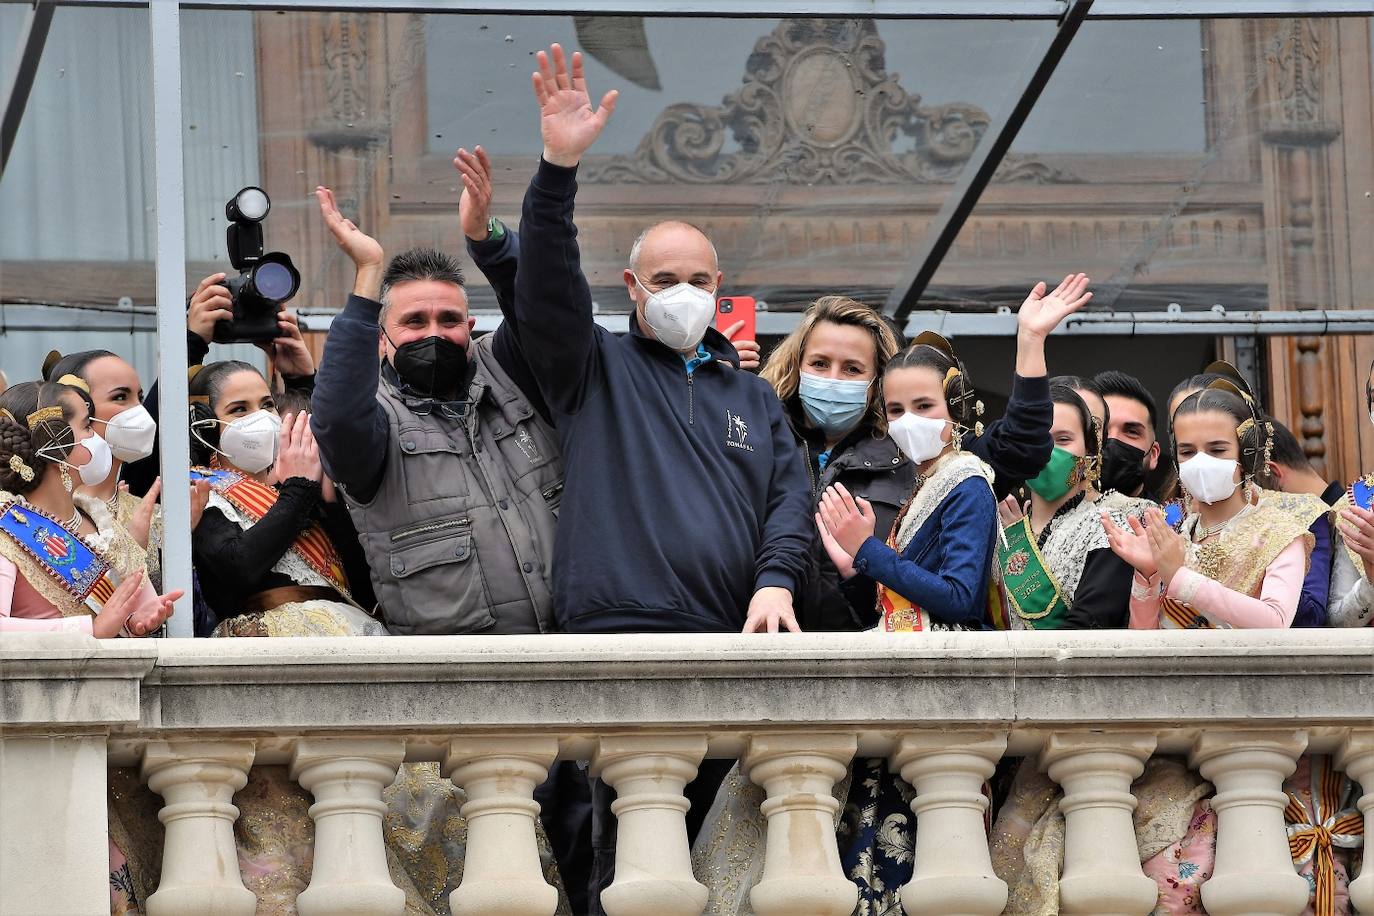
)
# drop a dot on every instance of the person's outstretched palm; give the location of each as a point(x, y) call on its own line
point(1041, 313)
point(567, 121)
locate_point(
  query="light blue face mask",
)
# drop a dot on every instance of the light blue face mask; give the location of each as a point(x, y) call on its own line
point(834, 406)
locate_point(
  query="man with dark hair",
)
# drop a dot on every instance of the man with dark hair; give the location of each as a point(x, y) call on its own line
point(1131, 450)
point(1288, 470)
point(440, 455)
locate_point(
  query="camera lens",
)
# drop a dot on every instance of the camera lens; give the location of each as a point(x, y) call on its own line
point(274, 280)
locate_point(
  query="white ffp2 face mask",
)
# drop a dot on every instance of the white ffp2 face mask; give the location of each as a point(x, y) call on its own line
point(97, 468)
point(250, 442)
point(1208, 479)
point(131, 433)
point(679, 315)
point(919, 438)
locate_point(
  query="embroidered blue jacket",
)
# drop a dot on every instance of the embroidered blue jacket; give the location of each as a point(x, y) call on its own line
point(946, 566)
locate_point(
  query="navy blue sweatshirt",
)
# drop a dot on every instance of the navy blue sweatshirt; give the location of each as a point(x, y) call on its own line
point(685, 492)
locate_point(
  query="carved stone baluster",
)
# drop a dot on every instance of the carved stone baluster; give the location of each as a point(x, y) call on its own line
point(953, 873)
point(347, 776)
point(502, 873)
point(1102, 874)
point(653, 864)
point(1254, 874)
point(1356, 758)
point(200, 865)
point(801, 868)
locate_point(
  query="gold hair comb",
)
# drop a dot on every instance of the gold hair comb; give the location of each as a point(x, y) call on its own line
point(43, 415)
point(18, 466)
point(74, 382)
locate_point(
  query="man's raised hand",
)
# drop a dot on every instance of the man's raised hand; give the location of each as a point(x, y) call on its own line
point(362, 249)
point(474, 206)
point(567, 121)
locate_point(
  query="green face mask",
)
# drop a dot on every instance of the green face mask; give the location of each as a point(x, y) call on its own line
point(1062, 474)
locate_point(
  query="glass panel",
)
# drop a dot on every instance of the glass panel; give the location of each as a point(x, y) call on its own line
point(1200, 162)
point(814, 152)
point(79, 172)
point(81, 176)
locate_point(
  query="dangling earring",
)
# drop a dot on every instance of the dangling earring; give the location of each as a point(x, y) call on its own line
point(1248, 490)
point(66, 478)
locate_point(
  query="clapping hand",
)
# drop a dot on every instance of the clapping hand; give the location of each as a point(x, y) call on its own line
point(567, 121)
point(141, 522)
point(1357, 529)
point(362, 249)
point(850, 520)
point(842, 561)
point(1167, 546)
point(297, 454)
point(1132, 545)
point(1009, 511)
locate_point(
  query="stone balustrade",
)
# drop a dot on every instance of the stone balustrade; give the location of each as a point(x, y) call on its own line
point(495, 712)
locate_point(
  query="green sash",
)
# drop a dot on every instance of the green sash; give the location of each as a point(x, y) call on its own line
point(1030, 586)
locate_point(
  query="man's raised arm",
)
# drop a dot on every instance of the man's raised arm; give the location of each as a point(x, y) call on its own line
point(553, 304)
point(349, 425)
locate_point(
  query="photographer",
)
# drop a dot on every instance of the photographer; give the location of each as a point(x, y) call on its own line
point(209, 304)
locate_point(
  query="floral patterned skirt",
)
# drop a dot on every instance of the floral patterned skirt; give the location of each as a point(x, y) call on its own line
point(1175, 831)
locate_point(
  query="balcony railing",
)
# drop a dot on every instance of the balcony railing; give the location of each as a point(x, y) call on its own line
point(196, 716)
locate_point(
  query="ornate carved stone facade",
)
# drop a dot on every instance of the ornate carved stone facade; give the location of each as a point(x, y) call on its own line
point(817, 107)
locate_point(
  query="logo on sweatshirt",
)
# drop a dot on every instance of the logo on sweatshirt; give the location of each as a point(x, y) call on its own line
point(525, 441)
point(736, 432)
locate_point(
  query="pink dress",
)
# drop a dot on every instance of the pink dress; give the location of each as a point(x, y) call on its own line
point(23, 610)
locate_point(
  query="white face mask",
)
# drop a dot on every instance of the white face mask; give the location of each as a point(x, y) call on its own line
point(679, 315)
point(919, 438)
point(98, 468)
point(131, 433)
point(250, 442)
point(1208, 479)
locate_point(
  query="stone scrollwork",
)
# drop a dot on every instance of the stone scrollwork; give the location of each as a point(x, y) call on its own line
point(817, 106)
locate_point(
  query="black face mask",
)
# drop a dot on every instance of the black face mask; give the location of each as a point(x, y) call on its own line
point(1123, 467)
point(432, 366)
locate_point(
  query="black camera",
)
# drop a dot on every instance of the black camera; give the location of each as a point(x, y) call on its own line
point(265, 280)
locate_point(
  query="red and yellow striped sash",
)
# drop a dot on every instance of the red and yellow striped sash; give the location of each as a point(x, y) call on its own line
point(1313, 835)
point(254, 499)
point(1178, 615)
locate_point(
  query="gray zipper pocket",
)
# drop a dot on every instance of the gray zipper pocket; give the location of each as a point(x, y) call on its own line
point(429, 528)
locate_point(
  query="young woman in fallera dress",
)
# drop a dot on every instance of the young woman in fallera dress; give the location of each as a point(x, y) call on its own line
point(1238, 562)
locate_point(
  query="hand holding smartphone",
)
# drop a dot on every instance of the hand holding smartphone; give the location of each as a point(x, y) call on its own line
point(731, 310)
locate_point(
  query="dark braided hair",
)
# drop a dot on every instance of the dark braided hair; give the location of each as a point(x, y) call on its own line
point(18, 441)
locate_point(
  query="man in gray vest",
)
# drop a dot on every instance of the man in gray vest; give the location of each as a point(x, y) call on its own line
point(451, 476)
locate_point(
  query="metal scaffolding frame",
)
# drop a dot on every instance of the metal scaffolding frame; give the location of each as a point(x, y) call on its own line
point(165, 33)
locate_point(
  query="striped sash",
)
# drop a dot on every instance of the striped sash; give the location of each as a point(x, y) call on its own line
point(254, 499)
point(1314, 831)
point(1176, 615)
